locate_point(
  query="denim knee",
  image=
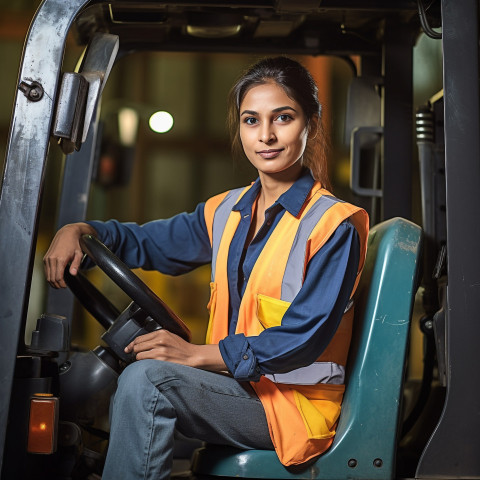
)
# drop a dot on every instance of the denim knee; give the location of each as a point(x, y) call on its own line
point(134, 378)
point(142, 427)
point(153, 372)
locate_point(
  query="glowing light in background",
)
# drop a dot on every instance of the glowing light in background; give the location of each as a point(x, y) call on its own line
point(161, 122)
point(128, 119)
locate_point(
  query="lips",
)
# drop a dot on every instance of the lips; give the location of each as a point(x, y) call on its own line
point(270, 153)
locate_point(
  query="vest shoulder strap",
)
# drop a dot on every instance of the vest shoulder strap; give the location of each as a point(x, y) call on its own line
point(209, 211)
point(218, 208)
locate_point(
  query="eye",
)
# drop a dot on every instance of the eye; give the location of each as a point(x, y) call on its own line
point(284, 117)
point(250, 120)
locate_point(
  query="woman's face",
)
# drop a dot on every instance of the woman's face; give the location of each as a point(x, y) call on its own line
point(273, 129)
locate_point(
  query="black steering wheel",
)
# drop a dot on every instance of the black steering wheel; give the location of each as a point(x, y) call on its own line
point(100, 306)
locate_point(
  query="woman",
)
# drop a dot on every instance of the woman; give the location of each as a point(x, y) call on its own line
point(286, 258)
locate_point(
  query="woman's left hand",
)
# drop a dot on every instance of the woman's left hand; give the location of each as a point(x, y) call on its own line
point(166, 346)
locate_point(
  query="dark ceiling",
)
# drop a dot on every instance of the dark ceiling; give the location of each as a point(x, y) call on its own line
point(285, 26)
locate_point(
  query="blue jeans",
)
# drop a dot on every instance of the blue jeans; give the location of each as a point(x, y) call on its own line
point(154, 398)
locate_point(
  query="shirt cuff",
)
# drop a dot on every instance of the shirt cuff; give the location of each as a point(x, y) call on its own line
point(102, 233)
point(239, 358)
point(101, 230)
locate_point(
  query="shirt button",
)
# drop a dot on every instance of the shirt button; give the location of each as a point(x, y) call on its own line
point(245, 357)
point(269, 222)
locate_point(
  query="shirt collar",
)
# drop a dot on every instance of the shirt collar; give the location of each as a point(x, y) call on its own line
point(292, 200)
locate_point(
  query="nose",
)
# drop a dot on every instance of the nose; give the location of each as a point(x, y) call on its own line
point(267, 133)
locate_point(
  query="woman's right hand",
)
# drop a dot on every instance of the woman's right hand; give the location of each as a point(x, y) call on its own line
point(65, 248)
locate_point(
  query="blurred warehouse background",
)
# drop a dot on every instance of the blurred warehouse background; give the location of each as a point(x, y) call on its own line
point(143, 174)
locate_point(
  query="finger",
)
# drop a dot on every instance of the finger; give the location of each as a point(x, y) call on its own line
point(141, 339)
point(149, 345)
point(46, 269)
point(47, 266)
point(77, 260)
point(158, 339)
point(51, 272)
point(59, 280)
point(156, 354)
point(158, 335)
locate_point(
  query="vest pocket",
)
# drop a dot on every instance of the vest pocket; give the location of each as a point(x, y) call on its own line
point(211, 307)
point(270, 311)
point(320, 411)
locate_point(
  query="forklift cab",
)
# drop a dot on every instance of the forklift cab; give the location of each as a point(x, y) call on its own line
point(51, 103)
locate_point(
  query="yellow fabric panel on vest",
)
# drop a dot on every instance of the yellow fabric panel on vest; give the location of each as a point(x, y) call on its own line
point(211, 307)
point(270, 311)
point(288, 432)
point(320, 408)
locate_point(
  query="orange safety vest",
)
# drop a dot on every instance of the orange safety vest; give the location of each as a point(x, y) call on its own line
point(302, 406)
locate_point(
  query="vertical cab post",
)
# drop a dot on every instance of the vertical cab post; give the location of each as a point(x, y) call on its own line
point(23, 177)
point(459, 423)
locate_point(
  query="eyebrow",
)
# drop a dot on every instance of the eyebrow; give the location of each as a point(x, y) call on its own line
point(275, 110)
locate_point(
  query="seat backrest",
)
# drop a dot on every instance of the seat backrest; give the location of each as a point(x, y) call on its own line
point(366, 438)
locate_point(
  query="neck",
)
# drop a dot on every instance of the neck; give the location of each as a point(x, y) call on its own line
point(274, 185)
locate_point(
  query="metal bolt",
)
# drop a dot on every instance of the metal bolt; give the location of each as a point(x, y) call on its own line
point(352, 463)
point(378, 462)
point(33, 91)
point(36, 92)
point(65, 366)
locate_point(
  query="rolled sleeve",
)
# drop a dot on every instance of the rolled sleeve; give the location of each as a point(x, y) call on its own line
point(240, 358)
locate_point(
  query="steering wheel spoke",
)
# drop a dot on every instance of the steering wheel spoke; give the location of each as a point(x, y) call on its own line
point(91, 298)
point(147, 312)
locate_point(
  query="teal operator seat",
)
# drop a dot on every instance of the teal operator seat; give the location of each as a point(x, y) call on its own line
point(365, 443)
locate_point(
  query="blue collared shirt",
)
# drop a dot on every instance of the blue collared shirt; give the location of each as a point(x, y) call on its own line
point(181, 243)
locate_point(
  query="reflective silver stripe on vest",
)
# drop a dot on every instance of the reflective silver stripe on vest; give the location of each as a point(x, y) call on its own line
point(293, 276)
point(220, 218)
point(318, 372)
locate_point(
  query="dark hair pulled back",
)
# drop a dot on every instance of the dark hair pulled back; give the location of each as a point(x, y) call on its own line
point(299, 85)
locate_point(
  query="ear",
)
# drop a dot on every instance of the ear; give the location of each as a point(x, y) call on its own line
point(313, 125)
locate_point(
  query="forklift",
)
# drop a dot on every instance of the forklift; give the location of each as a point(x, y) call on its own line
point(51, 395)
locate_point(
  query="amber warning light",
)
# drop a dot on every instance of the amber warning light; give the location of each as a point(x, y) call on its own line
point(42, 427)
